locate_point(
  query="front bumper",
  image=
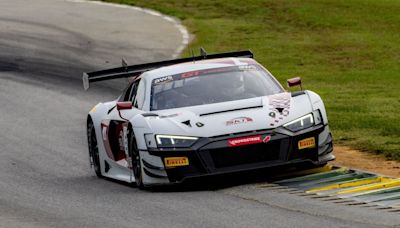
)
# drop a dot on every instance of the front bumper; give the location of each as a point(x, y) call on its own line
point(213, 156)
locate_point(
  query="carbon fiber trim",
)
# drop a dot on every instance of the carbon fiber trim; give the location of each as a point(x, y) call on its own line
point(150, 174)
point(150, 166)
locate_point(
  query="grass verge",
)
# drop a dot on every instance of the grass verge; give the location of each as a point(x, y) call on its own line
point(348, 51)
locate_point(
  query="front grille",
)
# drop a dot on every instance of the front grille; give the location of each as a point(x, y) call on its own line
point(232, 156)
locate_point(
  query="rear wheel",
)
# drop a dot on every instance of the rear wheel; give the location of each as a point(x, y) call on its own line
point(136, 164)
point(93, 149)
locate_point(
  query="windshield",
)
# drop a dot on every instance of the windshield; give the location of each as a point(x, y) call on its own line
point(212, 86)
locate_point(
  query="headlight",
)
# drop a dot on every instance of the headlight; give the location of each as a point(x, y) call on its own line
point(175, 141)
point(300, 123)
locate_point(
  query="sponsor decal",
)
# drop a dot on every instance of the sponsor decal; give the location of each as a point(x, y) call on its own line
point(239, 120)
point(190, 74)
point(93, 109)
point(208, 71)
point(279, 105)
point(170, 115)
point(267, 139)
point(217, 70)
point(163, 79)
point(176, 161)
point(203, 72)
point(247, 67)
point(245, 141)
point(306, 143)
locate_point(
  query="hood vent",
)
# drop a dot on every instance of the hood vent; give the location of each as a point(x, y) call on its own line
point(230, 110)
point(187, 122)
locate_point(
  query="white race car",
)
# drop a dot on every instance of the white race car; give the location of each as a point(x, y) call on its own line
point(200, 116)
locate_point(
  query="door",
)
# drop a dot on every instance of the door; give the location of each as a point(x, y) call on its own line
point(115, 127)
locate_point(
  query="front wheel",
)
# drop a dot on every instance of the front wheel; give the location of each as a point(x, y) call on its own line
point(93, 149)
point(136, 164)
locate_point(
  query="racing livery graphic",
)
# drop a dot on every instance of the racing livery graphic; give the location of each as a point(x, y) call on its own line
point(200, 116)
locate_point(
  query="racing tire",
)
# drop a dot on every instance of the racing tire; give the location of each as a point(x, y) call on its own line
point(93, 149)
point(136, 163)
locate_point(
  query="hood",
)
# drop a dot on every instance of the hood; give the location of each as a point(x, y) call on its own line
point(231, 117)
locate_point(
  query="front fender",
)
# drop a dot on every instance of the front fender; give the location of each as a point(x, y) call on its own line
point(317, 103)
point(140, 127)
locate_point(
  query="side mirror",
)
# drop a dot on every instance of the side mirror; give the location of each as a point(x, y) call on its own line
point(124, 105)
point(294, 82)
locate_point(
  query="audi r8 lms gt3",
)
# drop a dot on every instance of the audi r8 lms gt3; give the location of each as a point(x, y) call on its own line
point(200, 116)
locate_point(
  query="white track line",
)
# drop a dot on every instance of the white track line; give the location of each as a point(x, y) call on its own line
point(182, 29)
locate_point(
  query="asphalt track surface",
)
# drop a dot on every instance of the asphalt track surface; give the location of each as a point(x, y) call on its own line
point(45, 180)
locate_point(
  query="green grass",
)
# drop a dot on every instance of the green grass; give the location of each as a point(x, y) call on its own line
point(348, 51)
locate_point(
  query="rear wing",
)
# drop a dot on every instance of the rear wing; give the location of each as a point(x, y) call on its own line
point(135, 70)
